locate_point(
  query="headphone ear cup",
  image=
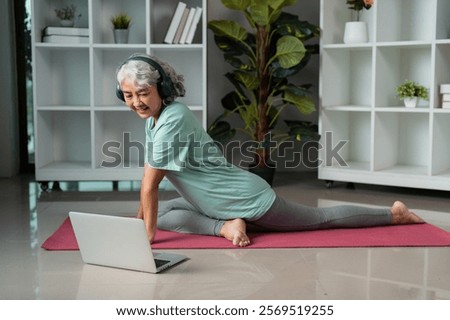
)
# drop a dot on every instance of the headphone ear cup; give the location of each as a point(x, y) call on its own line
point(119, 93)
point(166, 88)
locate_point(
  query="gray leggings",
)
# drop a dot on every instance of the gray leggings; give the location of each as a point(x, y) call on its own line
point(179, 215)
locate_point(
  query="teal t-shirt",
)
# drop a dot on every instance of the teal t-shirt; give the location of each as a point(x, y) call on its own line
point(198, 170)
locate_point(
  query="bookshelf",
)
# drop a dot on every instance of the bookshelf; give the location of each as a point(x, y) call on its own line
point(82, 131)
point(386, 143)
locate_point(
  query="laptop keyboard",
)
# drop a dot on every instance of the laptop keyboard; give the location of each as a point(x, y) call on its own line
point(159, 262)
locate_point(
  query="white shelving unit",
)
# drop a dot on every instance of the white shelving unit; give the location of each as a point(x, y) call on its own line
point(83, 132)
point(387, 144)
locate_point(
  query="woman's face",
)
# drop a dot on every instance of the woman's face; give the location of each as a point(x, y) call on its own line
point(145, 101)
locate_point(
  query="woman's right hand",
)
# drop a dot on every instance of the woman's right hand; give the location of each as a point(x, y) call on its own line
point(151, 232)
point(149, 199)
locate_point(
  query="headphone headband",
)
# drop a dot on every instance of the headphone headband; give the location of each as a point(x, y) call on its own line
point(164, 85)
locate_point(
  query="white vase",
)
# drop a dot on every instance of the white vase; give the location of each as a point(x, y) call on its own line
point(355, 32)
point(410, 102)
point(121, 35)
point(66, 23)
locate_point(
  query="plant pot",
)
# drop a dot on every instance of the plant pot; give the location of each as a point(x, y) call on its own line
point(121, 35)
point(66, 23)
point(355, 32)
point(267, 172)
point(410, 102)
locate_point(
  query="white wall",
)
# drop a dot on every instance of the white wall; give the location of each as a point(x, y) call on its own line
point(9, 131)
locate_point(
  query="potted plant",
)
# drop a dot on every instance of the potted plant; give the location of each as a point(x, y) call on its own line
point(262, 60)
point(356, 31)
point(410, 92)
point(66, 15)
point(121, 24)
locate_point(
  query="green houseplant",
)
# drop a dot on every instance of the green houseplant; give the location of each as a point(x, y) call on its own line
point(410, 91)
point(263, 57)
point(66, 15)
point(121, 24)
point(358, 5)
point(121, 21)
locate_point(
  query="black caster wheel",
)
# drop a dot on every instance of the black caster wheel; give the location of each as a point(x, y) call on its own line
point(56, 186)
point(329, 184)
point(351, 186)
point(44, 186)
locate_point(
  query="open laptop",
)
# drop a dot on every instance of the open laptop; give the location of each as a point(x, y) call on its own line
point(118, 242)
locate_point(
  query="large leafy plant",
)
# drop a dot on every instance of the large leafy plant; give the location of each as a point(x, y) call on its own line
point(263, 57)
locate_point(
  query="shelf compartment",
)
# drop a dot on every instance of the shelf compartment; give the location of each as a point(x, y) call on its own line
point(402, 143)
point(106, 62)
point(190, 66)
point(336, 15)
point(119, 140)
point(161, 13)
point(401, 63)
point(348, 80)
point(45, 15)
point(405, 20)
point(351, 128)
point(63, 140)
point(441, 146)
point(106, 9)
point(442, 20)
point(62, 76)
point(442, 74)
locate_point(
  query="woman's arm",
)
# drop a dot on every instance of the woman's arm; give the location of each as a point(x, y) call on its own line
point(148, 209)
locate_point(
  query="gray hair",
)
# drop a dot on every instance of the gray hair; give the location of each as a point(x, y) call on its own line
point(144, 75)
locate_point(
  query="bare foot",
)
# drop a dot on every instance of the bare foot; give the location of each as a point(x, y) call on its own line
point(235, 231)
point(402, 215)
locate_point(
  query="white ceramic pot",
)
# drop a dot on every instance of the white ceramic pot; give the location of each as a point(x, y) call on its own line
point(66, 23)
point(355, 32)
point(410, 102)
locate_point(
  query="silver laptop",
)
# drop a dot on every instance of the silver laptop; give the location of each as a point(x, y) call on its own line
point(118, 242)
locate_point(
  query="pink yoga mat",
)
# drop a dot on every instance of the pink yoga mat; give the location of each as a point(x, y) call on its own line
point(418, 235)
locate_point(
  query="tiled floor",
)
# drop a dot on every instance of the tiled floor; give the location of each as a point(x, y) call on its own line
point(28, 217)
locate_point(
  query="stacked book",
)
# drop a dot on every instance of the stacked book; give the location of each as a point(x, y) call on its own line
point(183, 24)
point(445, 93)
point(65, 35)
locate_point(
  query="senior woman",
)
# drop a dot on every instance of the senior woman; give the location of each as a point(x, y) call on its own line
point(217, 198)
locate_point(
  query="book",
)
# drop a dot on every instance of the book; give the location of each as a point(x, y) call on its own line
point(189, 20)
point(181, 25)
point(446, 104)
point(446, 97)
point(65, 39)
point(193, 27)
point(176, 18)
point(65, 31)
point(445, 88)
